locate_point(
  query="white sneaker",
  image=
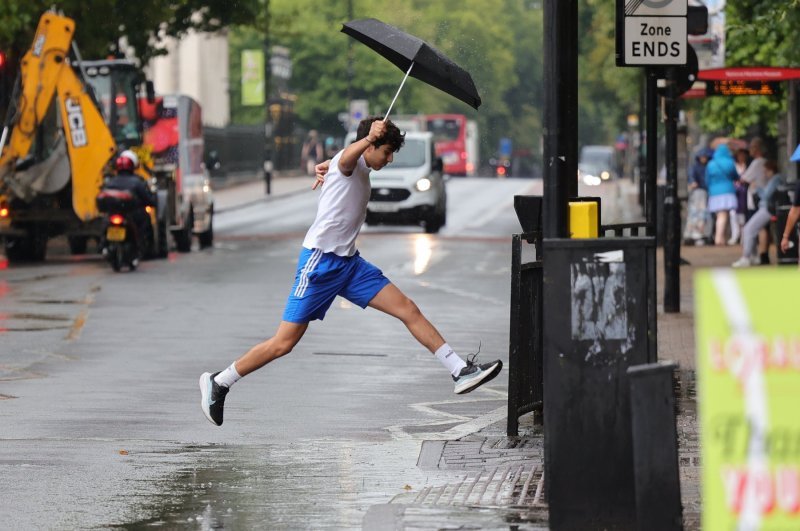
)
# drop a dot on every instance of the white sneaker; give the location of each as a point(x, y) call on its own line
point(733, 241)
point(744, 261)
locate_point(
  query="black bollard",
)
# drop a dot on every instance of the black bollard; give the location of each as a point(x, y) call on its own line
point(655, 447)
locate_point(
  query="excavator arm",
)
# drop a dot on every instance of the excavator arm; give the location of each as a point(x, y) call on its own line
point(44, 72)
point(89, 142)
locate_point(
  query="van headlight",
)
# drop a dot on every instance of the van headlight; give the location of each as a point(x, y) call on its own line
point(424, 184)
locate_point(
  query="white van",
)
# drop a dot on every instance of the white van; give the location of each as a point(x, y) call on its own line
point(597, 164)
point(410, 190)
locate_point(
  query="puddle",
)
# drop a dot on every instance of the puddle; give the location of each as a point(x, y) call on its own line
point(32, 328)
point(36, 278)
point(53, 301)
point(20, 374)
point(6, 320)
point(34, 317)
point(307, 484)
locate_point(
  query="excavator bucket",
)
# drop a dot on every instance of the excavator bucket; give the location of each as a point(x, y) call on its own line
point(89, 143)
point(39, 70)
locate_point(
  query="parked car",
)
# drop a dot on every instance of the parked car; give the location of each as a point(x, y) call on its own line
point(410, 190)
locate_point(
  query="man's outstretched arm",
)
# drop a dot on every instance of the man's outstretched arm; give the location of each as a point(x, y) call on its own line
point(349, 159)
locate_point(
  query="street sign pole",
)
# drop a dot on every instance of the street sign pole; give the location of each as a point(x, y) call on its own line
point(654, 34)
point(560, 114)
point(651, 109)
point(672, 243)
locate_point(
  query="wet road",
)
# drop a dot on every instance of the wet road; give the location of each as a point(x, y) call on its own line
point(99, 418)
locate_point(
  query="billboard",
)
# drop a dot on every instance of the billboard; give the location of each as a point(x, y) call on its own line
point(252, 77)
point(748, 363)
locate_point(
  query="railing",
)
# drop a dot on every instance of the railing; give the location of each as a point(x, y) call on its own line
point(525, 383)
point(619, 229)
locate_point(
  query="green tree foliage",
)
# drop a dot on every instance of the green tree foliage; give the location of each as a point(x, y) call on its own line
point(607, 94)
point(100, 23)
point(759, 33)
point(499, 45)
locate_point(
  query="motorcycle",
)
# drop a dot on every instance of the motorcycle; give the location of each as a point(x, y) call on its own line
point(123, 243)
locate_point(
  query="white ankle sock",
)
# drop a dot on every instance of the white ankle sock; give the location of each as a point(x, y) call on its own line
point(228, 377)
point(450, 359)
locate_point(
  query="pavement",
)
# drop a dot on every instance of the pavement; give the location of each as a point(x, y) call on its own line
point(487, 480)
point(242, 191)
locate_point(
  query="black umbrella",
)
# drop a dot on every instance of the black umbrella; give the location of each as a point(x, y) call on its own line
point(416, 57)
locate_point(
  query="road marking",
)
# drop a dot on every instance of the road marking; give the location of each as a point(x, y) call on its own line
point(468, 425)
point(77, 326)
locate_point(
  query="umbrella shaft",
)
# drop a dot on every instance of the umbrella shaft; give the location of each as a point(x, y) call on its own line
point(398, 91)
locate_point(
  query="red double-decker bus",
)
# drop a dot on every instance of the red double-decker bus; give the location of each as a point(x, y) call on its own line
point(456, 140)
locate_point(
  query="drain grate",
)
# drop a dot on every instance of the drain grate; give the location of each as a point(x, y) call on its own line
point(516, 486)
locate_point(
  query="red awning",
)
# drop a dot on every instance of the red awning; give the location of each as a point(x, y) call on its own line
point(750, 73)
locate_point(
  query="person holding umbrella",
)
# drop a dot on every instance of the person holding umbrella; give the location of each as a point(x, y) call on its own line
point(330, 265)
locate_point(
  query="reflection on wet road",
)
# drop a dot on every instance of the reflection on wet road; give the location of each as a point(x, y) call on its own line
point(326, 484)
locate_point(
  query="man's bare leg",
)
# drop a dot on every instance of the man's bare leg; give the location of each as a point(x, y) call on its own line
point(214, 387)
point(282, 343)
point(467, 377)
point(392, 301)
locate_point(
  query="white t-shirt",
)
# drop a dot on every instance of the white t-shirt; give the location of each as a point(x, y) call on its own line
point(756, 175)
point(341, 210)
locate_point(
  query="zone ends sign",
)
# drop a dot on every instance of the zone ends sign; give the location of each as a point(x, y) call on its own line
point(660, 8)
point(651, 32)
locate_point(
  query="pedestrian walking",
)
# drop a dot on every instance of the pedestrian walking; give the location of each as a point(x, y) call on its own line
point(311, 153)
point(739, 214)
point(698, 220)
point(720, 176)
point(755, 174)
point(330, 264)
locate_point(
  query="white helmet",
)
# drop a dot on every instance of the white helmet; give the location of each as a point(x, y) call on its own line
point(128, 154)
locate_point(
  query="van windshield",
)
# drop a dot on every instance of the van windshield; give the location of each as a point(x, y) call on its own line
point(411, 155)
point(597, 157)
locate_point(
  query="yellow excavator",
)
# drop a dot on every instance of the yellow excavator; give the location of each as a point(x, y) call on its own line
point(67, 119)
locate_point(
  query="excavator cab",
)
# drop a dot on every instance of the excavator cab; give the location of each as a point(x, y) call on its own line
point(116, 84)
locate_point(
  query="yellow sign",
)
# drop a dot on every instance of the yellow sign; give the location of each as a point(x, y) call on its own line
point(748, 364)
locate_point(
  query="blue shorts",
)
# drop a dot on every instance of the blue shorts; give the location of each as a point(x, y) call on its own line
point(322, 276)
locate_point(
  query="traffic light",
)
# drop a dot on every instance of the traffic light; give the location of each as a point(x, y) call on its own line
point(697, 20)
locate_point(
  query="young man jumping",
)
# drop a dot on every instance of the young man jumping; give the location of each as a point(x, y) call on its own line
point(330, 265)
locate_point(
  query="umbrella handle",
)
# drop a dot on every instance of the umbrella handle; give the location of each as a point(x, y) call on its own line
point(398, 92)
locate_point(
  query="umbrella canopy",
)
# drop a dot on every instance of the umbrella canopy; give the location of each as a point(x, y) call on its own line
point(415, 57)
point(796, 155)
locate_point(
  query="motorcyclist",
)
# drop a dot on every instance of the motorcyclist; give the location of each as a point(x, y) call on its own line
point(125, 179)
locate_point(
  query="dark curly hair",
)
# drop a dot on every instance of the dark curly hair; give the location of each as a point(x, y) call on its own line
point(393, 136)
